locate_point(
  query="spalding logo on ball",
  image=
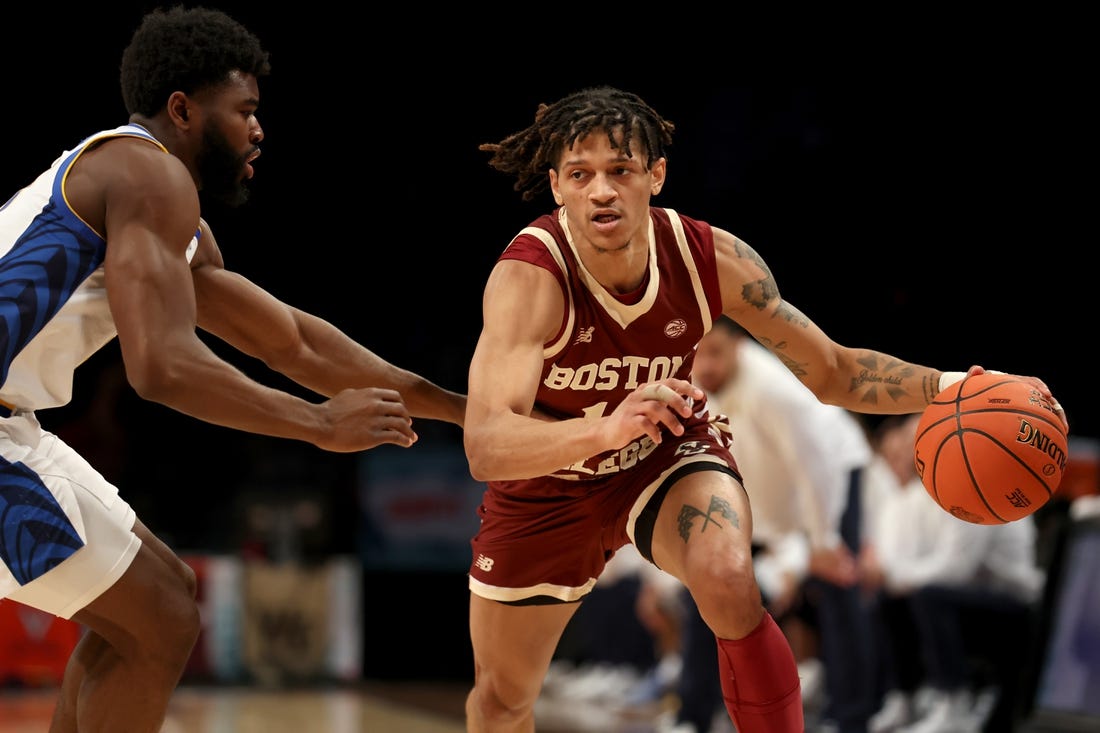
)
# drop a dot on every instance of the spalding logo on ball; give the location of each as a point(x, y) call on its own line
point(990, 449)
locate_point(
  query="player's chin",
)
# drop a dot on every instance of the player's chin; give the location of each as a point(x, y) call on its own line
point(607, 244)
point(239, 195)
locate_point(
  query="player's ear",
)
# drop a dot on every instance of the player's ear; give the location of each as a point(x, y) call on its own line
point(554, 187)
point(178, 105)
point(657, 172)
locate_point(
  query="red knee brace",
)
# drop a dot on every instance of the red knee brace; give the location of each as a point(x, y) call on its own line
point(760, 681)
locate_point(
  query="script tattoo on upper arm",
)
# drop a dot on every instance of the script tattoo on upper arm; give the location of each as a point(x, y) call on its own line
point(881, 378)
point(718, 506)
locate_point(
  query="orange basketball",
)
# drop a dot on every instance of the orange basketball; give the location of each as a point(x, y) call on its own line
point(990, 449)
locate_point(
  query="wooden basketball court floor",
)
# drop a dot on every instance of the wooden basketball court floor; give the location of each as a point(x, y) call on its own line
point(370, 707)
point(425, 708)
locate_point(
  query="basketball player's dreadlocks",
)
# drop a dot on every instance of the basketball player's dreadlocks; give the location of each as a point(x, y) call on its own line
point(530, 153)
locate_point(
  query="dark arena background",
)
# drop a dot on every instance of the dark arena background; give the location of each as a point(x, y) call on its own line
point(917, 192)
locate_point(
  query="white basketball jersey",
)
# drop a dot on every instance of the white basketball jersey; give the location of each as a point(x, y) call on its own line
point(53, 303)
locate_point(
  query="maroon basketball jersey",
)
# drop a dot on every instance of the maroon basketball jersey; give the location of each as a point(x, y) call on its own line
point(606, 347)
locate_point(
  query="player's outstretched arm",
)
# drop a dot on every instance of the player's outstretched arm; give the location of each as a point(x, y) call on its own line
point(152, 217)
point(859, 379)
point(304, 347)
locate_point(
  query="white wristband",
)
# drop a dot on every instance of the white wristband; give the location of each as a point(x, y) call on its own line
point(949, 378)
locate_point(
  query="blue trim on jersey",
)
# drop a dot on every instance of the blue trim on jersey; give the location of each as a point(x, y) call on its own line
point(35, 533)
point(54, 255)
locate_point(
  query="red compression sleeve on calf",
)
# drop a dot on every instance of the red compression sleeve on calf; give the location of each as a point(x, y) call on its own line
point(760, 681)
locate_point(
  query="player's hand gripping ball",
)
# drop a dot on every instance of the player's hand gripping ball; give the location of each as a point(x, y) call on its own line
point(990, 449)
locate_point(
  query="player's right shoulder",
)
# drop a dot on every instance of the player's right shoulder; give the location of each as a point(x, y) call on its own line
point(126, 172)
point(140, 166)
point(141, 151)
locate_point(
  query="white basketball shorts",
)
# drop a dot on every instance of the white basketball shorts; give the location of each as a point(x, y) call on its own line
point(66, 535)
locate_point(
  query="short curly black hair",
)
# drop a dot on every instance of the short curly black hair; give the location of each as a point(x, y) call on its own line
point(624, 116)
point(178, 49)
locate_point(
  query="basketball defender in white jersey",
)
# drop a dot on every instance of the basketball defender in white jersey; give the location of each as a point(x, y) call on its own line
point(109, 242)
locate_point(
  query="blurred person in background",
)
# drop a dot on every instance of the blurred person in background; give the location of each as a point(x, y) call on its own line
point(972, 591)
point(901, 669)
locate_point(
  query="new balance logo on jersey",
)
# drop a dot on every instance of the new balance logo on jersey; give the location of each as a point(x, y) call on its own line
point(584, 336)
point(484, 563)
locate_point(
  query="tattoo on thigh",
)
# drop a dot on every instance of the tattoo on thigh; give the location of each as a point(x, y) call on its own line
point(718, 506)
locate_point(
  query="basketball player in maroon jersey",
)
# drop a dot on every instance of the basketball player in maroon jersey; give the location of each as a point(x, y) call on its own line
point(582, 418)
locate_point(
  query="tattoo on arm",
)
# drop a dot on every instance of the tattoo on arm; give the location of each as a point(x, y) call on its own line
point(931, 383)
point(789, 313)
point(881, 378)
point(759, 292)
point(718, 506)
point(797, 369)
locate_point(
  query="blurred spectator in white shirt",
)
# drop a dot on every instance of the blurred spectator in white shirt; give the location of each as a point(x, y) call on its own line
point(971, 590)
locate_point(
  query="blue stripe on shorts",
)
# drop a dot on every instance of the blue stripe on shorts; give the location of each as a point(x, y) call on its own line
point(35, 534)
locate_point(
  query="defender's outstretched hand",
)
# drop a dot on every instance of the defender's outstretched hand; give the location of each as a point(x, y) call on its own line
point(364, 418)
